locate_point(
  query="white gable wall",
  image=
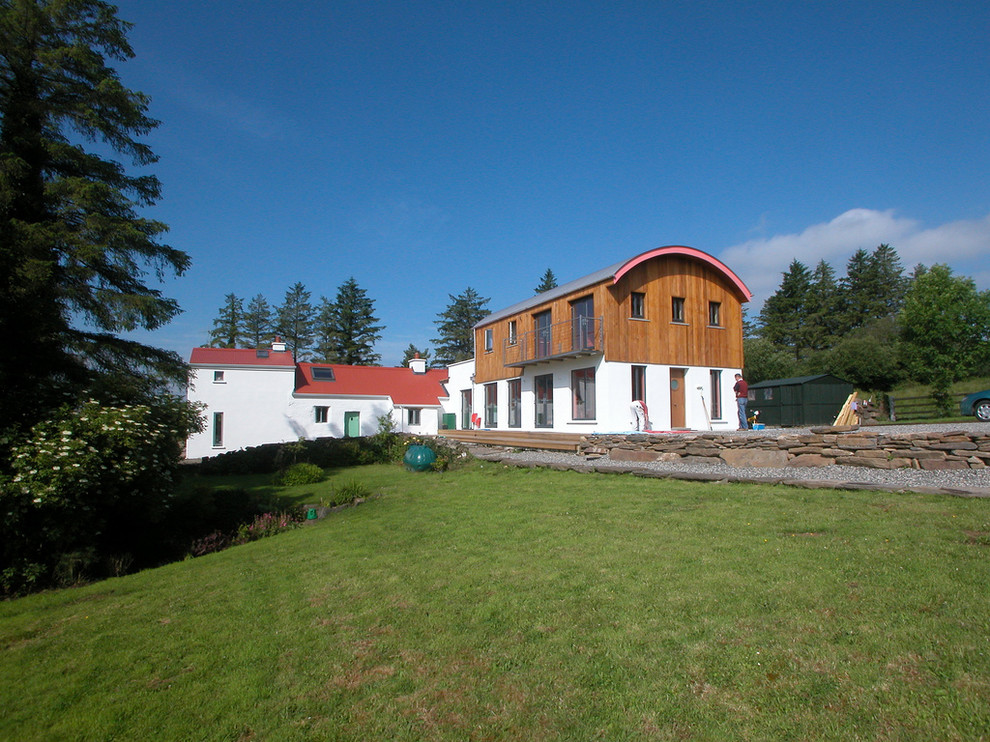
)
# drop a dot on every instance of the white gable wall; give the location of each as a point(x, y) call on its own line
point(254, 402)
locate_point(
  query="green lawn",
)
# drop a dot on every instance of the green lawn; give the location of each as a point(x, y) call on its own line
point(492, 603)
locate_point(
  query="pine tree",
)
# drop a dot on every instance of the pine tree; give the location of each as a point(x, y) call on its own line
point(782, 319)
point(228, 328)
point(821, 321)
point(549, 281)
point(258, 325)
point(73, 249)
point(347, 327)
point(456, 327)
point(872, 289)
point(294, 321)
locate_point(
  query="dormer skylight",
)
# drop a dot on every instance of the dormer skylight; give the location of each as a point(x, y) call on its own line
point(322, 374)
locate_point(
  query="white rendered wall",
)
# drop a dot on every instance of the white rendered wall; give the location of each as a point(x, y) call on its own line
point(613, 404)
point(253, 402)
point(460, 377)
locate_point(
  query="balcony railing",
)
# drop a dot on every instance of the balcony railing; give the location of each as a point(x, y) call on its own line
point(575, 337)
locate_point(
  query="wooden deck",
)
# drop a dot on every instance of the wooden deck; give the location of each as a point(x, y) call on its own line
point(518, 439)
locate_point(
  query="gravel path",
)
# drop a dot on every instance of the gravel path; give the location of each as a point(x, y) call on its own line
point(967, 483)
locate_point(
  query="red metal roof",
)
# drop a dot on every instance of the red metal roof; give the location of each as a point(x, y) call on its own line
point(240, 357)
point(399, 383)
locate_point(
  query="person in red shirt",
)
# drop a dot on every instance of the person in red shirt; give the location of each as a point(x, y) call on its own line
point(741, 389)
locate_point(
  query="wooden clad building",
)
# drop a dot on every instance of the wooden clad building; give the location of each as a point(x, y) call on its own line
point(663, 328)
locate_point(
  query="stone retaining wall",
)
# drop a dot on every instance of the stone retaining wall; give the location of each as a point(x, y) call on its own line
point(819, 447)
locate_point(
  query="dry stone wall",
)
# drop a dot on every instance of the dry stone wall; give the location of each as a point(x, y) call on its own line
point(819, 447)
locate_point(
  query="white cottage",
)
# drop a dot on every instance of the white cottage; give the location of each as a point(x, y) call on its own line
point(264, 396)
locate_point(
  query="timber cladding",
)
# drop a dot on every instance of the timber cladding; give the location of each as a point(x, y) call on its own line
point(690, 315)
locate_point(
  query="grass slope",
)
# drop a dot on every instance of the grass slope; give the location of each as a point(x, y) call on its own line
point(494, 603)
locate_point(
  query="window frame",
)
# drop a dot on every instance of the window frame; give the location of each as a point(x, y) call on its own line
point(218, 430)
point(515, 403)
point(489, 340)
point(637, 305)
point(583, 394)
point(715, 376)
point(321, 414)
point(677, 313)
point(414, 416)
point(218, 377)
point(491, 405)
point(640, 382)
point(715, 314)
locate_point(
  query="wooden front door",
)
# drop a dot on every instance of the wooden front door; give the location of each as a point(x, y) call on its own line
point(677, 418)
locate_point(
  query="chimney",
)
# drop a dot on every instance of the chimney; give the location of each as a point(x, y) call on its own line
point(278, 345)
point(417, 365)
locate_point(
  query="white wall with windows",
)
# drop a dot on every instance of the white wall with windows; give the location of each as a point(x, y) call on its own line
point(249, 406)
point(588, 395)
point(243, 405)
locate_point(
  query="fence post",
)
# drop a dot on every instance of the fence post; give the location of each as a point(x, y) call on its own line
point(893, 413)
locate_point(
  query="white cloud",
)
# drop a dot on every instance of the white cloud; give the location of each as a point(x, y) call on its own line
point(964, 245)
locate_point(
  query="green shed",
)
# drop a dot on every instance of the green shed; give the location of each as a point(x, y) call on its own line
point(803, 400)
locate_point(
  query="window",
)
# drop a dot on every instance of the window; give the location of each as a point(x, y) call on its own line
point(321, 414)
point(512, 332)
point(491, 405)
point(715, 313)
point(489, 341)
point(322, 373)
point(261, 353)
point(218, 430)
point(677, 309)
point(583, 393)
point(639, 384)
point(542, 323)
point(583, 323)
point(544, 400)
point(466, 410)
point(637, 305)
point(412, 416)
point(716, 392)
point(515, 403)
point(218, 377)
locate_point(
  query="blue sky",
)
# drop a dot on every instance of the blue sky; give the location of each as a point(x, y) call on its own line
point(426, 147)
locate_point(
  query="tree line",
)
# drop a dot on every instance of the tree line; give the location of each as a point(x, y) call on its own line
point(343, 330)
point(874, 327)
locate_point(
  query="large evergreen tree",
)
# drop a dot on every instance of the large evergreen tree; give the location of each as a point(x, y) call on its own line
point(782, 319)
point(456, 327)
point(228, 327)
point(73, 248)
point(872, 289)
point(822, 302)
point(347, 327)
point(294, 321)
point(258, 325)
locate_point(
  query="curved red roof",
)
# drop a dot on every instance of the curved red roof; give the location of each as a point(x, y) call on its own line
point(690, 252)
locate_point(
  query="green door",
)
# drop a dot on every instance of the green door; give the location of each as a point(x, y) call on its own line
point(352, 424)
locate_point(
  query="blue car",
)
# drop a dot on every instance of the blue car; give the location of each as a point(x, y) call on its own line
point(977, 403)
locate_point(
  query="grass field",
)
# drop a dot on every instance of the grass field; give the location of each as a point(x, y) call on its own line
point(492, 603)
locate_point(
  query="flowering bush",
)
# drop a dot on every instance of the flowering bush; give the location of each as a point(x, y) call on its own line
point(89, 480)
point(265, 525)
